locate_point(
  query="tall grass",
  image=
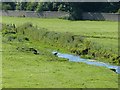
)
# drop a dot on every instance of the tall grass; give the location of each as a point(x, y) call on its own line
point(74, 43)
point(104, 33)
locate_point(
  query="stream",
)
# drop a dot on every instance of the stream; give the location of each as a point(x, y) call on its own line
point(74, 58)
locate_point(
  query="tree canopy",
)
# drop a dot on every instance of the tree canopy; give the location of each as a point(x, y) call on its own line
point(75, 8)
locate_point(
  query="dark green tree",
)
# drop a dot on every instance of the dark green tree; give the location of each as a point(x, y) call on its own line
point(21, 5)
point(39, 7)
point(8, 5)
point(31, 6)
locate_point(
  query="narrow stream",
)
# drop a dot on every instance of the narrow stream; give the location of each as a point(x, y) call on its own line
point(74, 58)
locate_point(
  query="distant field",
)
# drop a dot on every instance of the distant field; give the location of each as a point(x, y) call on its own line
point(100, 28)
point(105, 33)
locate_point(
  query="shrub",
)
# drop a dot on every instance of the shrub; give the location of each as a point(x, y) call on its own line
point(119, 11)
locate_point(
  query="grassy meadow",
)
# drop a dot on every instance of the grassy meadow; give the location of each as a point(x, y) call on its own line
point(28, 70)
point(105, 33)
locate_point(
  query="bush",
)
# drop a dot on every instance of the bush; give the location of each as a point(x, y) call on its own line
point(76, 15)
point(6, 7)
point(119, 11)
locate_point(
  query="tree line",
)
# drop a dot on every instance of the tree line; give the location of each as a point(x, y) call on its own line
point(74, 8)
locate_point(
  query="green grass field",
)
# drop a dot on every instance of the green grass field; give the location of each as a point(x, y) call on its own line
point(89, 28)
point(106, 31)
point(27, 70)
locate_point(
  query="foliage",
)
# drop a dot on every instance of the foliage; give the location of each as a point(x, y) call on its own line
point(31, 6)
point(76, 11)
point(74, 8)
point(6, 7)
point(21, 5)
point(39, 7)
point(119, 11)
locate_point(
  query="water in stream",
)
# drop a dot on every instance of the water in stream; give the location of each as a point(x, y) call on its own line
point(74, 58)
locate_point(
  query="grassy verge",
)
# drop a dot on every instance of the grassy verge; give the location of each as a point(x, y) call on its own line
point(73, 43)
point(27, 70)
point(103, 33)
